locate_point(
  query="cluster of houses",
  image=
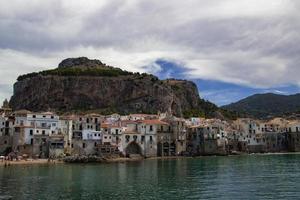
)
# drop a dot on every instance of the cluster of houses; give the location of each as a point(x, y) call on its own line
point(47, 135)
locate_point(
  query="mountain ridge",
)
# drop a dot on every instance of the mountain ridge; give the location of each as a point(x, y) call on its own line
point(266, 105)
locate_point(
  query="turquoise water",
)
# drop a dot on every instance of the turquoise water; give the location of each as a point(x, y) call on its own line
point(237, 177)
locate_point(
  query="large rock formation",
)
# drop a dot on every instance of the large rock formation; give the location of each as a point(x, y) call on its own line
point(80, 84)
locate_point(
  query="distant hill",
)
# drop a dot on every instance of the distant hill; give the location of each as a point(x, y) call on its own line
point(266, 105)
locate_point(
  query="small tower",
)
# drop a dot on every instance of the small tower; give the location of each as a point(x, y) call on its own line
point(5, 104)
point(5, 109)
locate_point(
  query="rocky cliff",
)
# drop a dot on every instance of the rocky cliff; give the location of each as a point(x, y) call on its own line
point(80, 84)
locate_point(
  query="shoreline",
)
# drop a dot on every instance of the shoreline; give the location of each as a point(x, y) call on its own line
point(30, 162)
point(6, 163)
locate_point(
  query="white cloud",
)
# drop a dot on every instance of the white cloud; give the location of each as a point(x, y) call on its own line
point(247, 42)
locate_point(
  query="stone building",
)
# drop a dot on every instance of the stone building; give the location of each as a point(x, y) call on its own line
point(178, 134)
point(207, 139)
point(293, 136)
point(149, 138)
point(32, 132)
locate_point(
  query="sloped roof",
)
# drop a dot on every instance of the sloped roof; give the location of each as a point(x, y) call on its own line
point(153, 121)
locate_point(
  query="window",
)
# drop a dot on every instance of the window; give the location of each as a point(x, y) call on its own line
point(33, 116)
point(53, 124)
point(43, 132)
point(5, 142)
point(95, 134)
point(143, 138)
point(44, 116)
point(151, 128)
point(127, 137)
point(83, 145)
point(95, 144)
point(37, 131)
point(31, 132)
point(99, 134)
point(135, 138)
point(151, 139)
point(31, 141)
point(52, 117)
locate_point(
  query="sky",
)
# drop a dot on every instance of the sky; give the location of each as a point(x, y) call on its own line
point(230, 48)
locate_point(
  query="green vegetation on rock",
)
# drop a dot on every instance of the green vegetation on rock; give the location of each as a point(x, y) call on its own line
point(77, 71)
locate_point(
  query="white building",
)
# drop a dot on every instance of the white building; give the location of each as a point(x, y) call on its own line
point(91, 135)
point(36, 124)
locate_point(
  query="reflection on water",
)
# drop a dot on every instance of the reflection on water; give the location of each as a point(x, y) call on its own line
point(239, 177)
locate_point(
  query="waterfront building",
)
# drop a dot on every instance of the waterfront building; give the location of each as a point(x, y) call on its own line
point(147, 137)
point(293, 136)
point(32, 131)
point(65, 128)
point(178, 133)
point(48, 135)
point(248, 134)
point(209, 138)
point(86, 134)
point(6, 133)
point(274, 135)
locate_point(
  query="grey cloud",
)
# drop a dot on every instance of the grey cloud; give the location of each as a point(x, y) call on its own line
point(255, 49)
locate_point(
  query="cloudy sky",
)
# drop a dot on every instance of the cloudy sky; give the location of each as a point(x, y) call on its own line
point(230, 48)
